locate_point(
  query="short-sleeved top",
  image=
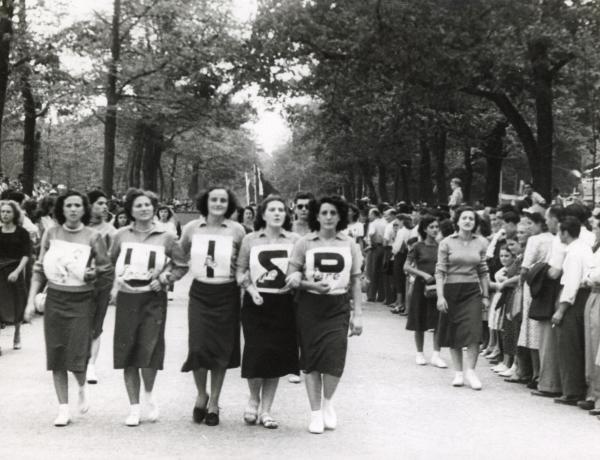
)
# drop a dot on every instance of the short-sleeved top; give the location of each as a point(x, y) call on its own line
point(334, 261)
point(266, 259)
point(537, 249)
point(423, 256)
point(139, 257)
point(212, 251)
point(461, 261)
point(15, 245)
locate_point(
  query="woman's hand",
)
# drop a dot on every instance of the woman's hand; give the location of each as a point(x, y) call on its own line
point(356, 326)
point(156, 285)
point(257, 298)
point(429, 279)
point(164, 278)
point(486, 302)
point(29, 312)
point(90, 274)
point(322, 287)
point(293, 281)
point(442, 305)
point(557, 318)
point(13, 276)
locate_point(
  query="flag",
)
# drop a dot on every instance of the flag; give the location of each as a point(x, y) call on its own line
point(247, 187)
point(261, 190)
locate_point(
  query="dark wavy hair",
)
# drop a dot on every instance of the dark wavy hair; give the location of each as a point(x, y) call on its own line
point(356, 213)
point(426, 221)
point(464, 209)
point(94, 195)
point(340, 204)
point(17, 214)
point(259, 221)
point(163, 207)
point(202, 202)
point(59, 212)
point(134, 193)
point(118, 212)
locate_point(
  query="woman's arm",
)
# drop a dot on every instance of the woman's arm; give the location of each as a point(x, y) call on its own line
point(356, 326)
point(14, 275)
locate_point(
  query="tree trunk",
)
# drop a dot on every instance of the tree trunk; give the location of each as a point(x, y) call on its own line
point(493, 149)
point(468, 182)
point(29, 133)
point(112, 99)
point(172, 174)
point(439, 153)
point(153, 147)
point(136, 153)
point(425, 189)
point(6, 36)
point(406, 174)
point(397, 178)
point(382, 182)
point(193, 187)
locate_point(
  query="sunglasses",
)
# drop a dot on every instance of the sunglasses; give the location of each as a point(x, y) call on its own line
point(301, 206)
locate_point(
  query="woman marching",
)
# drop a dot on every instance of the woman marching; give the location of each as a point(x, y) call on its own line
point(73, 257)
point(211, 244)
point(270, 346)
point(325, 264)
point(140, 253)
point(15, 250)
point(422, 314)
point(462, 289)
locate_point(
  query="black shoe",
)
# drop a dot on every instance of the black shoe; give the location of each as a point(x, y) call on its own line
point(567, 400)
point(545, 394)
point(585, 405)
point(212, 419)
point(199, 414)
point(532, 385)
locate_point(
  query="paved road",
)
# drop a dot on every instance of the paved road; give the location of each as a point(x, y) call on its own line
point(387, 408)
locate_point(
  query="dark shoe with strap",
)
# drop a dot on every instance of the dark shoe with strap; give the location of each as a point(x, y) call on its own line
point(212, 419)
point(199, 413)
point(567, 400)
point(545, 394)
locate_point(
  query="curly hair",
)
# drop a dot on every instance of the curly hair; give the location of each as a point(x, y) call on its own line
point(133, 194)
point(260, 223)
point(59, 212)
point(202, 201)
point(426, 221)
point(164, 207)
point(460, 211)
point(17, 213)
point(338, 202)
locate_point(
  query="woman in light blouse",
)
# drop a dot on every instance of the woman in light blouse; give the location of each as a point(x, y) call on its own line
point(325, 267)
point(270, 345)
point(462, 289)
point(211, 245)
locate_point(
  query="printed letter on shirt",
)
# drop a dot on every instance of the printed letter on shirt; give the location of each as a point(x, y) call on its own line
point(211, 257)
point(65, 262)
point(138, 264)
point(331, 265)
point(268, 266)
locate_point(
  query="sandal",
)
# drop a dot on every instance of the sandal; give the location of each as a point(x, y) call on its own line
point(251, 414)
point(268, 422)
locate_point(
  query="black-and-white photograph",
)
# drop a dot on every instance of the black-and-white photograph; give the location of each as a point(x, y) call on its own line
point(299, 229)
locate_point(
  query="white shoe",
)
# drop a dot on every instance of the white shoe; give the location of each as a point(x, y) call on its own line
point(507, 373)
point(91, 376)
point(473, 380)
point(329, 416)
point(82, 403)
point(317, 426)
point(458, 380)
point(437, 361)
point(63, 417)
point(294, 378)
point(152, 409)
point(500, 368)
point(133, 419)
point(420, 359)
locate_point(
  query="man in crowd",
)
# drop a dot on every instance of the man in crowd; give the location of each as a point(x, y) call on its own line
point(375, 256)
point(302, 203)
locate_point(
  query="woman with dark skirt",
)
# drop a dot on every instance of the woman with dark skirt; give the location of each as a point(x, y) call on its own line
point(326, 267)
point(141, 254)
point(211, 245)
point(15, 251)
point(422, 314)
point(73, 257)
point(270, 345)
point(462, 291)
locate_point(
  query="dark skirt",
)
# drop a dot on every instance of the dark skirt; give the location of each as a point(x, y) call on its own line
point(14, 295)
point(214, 326)
point(270, 345)
point(422, 313)
point(67, 329)
point(139, 339)
point(461, 325)
point(101, 299)
point(399, 275)
point(322, 322)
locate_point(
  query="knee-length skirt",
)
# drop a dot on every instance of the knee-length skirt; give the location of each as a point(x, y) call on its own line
point(322, 322)
point(14, 295)
point(270, 344)
point(461, 325)
point(68, 329)
point(422, 314)
point(529, 335)
point(213, 326)
point(139, 339)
